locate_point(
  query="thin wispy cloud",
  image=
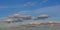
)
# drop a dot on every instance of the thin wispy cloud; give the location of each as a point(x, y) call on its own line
point(44, 1)
point(29, 4)
point(16, 6)
point(53, 10)
point(45, 10)
point(3, 7)
point(25, 12)
point(10, 7)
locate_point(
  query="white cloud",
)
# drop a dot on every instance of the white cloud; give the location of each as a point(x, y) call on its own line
point(29, 4)
point(43, 15)
point(25, 12)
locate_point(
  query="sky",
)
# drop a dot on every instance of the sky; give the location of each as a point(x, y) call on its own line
point(30, 7)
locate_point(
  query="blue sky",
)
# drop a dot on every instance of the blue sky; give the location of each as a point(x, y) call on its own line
point(30, 7)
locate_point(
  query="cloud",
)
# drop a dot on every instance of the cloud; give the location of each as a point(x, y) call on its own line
point(29, 4)
point(38, 11)
point(11, 7)
point(16, 6)
point(43, 16)
point(44, 1)
point(3, 7)
point(52, 10)
point(25, 12)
